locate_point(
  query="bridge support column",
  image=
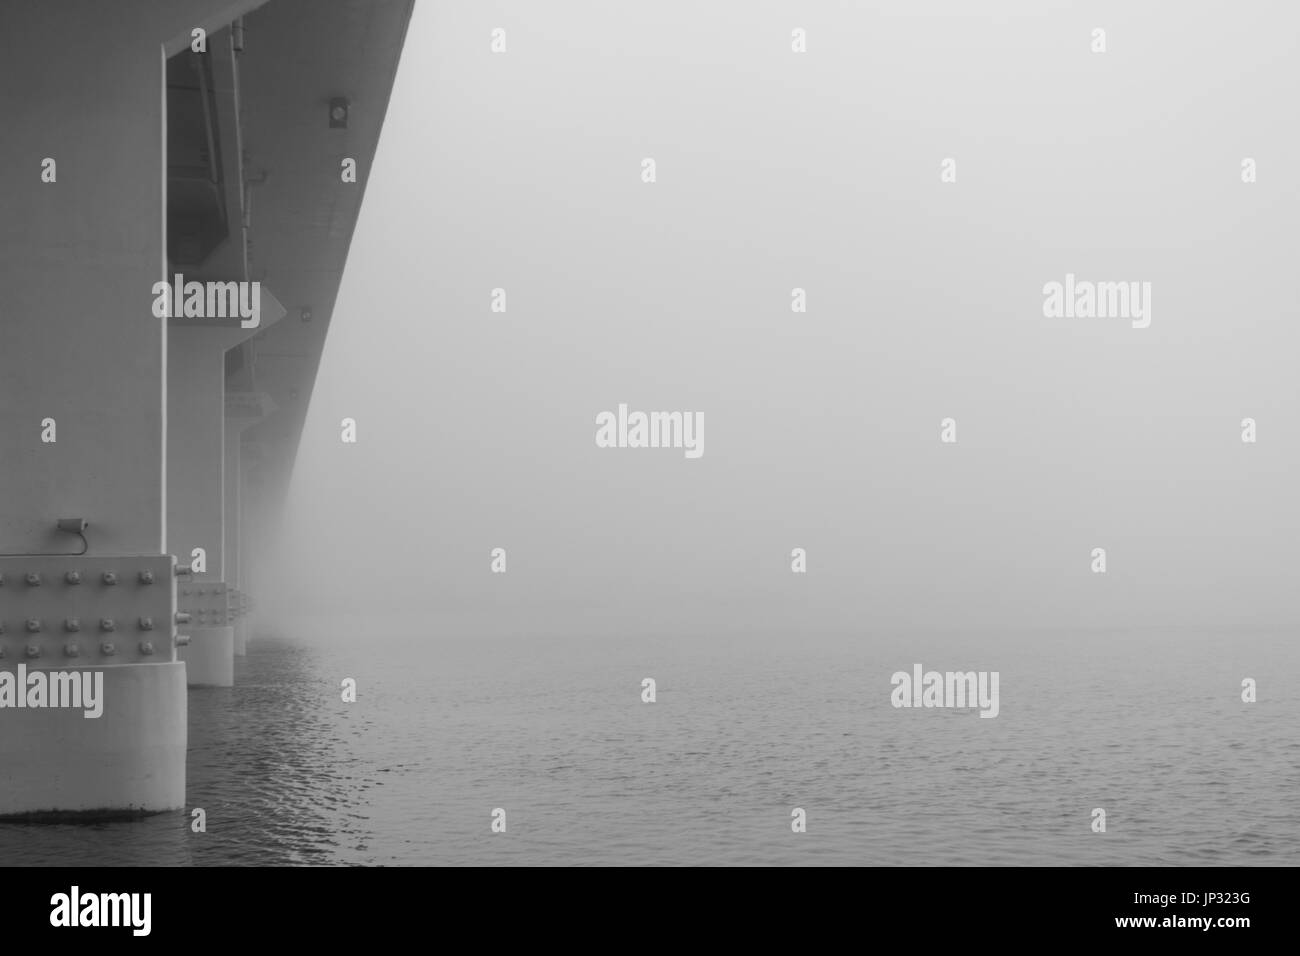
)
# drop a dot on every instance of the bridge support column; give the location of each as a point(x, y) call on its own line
point(130, 760)
point(110, 413)
point(87, 646)
point(244, 409)
point(82, 378)
point(196, 499)
point(234, 532)
point(210, 657)
point(241, 635)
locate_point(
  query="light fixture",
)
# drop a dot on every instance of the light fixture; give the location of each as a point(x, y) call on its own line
point(339, 112)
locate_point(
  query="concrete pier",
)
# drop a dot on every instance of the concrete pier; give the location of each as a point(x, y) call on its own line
point(145, 140)
point(83, 372)
point(58, 763)
point(195, 477)
point(210, 657)
point(118, 743)
point(232, 481)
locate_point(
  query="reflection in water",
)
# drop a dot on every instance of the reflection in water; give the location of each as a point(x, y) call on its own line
point(1148, 726)
point(279, 763)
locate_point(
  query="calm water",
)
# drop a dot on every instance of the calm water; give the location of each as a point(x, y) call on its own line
point(1149, 726)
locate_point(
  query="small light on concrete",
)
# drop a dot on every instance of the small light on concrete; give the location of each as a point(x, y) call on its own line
point(339, 113)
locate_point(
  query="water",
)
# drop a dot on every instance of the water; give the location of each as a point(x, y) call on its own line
point(1148, 726)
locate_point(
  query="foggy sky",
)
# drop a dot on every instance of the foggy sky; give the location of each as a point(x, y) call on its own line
point(820, 171)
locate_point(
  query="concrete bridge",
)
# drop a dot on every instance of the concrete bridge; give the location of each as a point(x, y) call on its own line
point(148, 433)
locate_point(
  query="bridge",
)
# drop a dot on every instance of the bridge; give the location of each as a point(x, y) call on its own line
point(147, 439)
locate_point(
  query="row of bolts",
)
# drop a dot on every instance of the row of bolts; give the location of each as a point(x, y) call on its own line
point(72, 624)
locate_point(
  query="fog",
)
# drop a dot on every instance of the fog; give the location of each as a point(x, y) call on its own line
point(821, 171)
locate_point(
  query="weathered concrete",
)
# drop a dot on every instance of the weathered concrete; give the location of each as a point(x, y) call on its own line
point(130, 759)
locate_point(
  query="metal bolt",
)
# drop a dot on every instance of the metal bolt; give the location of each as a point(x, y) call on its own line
point(107, 624)
point(146, 624)
point(146, 577)
point(182, 640)
point(110, 578)
point(71, 650)
point(33, 650)
point(71, 624)
point(108, 648)
point(182, 617)
point(146, 647)
point(73, 577)
point(33, 579)
point(33, 626)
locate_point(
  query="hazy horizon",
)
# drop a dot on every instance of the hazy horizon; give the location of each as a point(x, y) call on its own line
point(820, 171)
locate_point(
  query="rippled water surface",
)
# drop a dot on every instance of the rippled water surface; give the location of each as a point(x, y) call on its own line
point(1148, 726)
